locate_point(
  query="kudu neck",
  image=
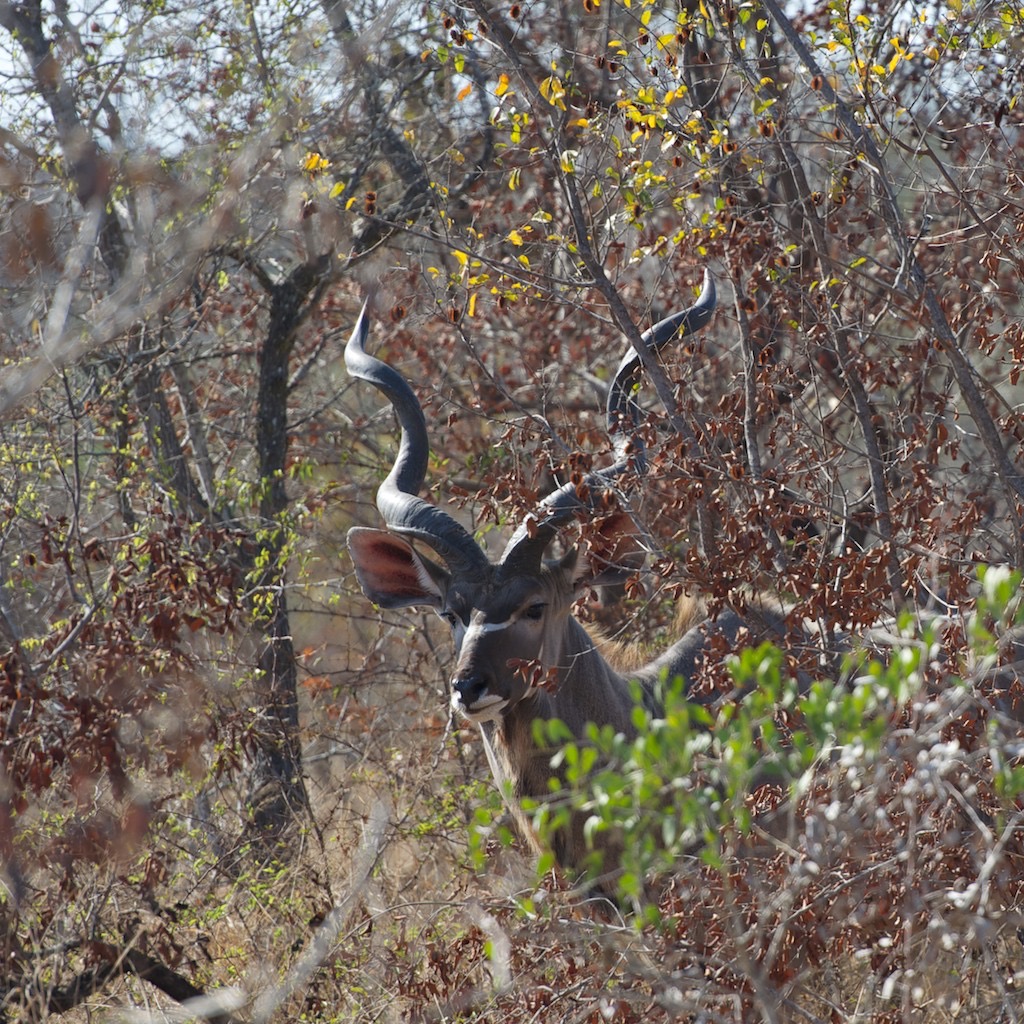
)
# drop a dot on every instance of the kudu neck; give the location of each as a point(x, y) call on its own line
point(586, 688)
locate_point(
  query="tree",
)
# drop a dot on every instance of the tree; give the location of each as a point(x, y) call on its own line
point(195, 202)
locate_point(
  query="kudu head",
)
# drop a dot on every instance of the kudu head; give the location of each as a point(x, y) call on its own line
point(509, 618)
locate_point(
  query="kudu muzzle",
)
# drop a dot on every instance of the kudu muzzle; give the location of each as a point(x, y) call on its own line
point(472, 698)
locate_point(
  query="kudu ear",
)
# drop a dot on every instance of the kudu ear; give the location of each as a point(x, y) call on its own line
point(614, 550)
point(391, 573)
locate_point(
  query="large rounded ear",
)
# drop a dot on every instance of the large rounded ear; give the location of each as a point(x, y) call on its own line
point(613, 551)
point(391, 573)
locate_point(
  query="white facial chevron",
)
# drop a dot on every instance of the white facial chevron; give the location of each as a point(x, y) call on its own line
point(488, 708)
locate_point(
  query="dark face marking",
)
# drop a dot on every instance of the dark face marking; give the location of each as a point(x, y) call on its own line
point(508, 622)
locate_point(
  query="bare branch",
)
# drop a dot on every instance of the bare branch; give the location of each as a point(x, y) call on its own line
point(1010, 475)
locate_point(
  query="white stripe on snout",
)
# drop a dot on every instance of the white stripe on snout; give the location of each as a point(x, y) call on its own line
point(461, 632)
point(489, 627)
point(479, 629)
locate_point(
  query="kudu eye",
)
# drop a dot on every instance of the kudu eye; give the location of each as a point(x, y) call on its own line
point(535, 611)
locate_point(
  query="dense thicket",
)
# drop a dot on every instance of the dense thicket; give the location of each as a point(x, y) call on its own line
point(212, 745)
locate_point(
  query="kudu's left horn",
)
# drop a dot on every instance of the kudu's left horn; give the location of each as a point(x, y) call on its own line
point(398, 498)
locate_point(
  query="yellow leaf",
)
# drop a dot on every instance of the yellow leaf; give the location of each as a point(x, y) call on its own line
point(464, 92)
point(525, 261)
point(502, 86)
point(314, 163)
point(339, 187)
point(515, 178)
point(553, 91)
point(462, 257)
point(515, 237)
point(471, 309)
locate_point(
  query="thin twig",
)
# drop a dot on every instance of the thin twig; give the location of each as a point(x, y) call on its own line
point(1009, 475)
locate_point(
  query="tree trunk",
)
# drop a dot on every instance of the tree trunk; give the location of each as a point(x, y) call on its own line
point(276, 790)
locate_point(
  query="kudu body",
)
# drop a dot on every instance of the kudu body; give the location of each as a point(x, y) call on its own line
point(521, 655)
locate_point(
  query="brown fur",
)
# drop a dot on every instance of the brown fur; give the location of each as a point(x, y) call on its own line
point(523, 657)
point(627, 656)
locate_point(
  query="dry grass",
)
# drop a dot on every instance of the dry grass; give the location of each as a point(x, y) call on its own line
point(892, 895)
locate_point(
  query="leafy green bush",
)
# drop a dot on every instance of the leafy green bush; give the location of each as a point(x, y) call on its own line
point(697, 783)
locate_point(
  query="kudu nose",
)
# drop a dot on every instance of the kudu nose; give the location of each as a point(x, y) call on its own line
point(470, 688)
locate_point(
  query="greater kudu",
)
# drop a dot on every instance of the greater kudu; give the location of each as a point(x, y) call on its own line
point(517, 612)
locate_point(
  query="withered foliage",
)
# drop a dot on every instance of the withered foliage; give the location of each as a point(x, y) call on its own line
point(201, 720)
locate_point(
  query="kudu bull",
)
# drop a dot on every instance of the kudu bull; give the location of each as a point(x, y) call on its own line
point(519, 609)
